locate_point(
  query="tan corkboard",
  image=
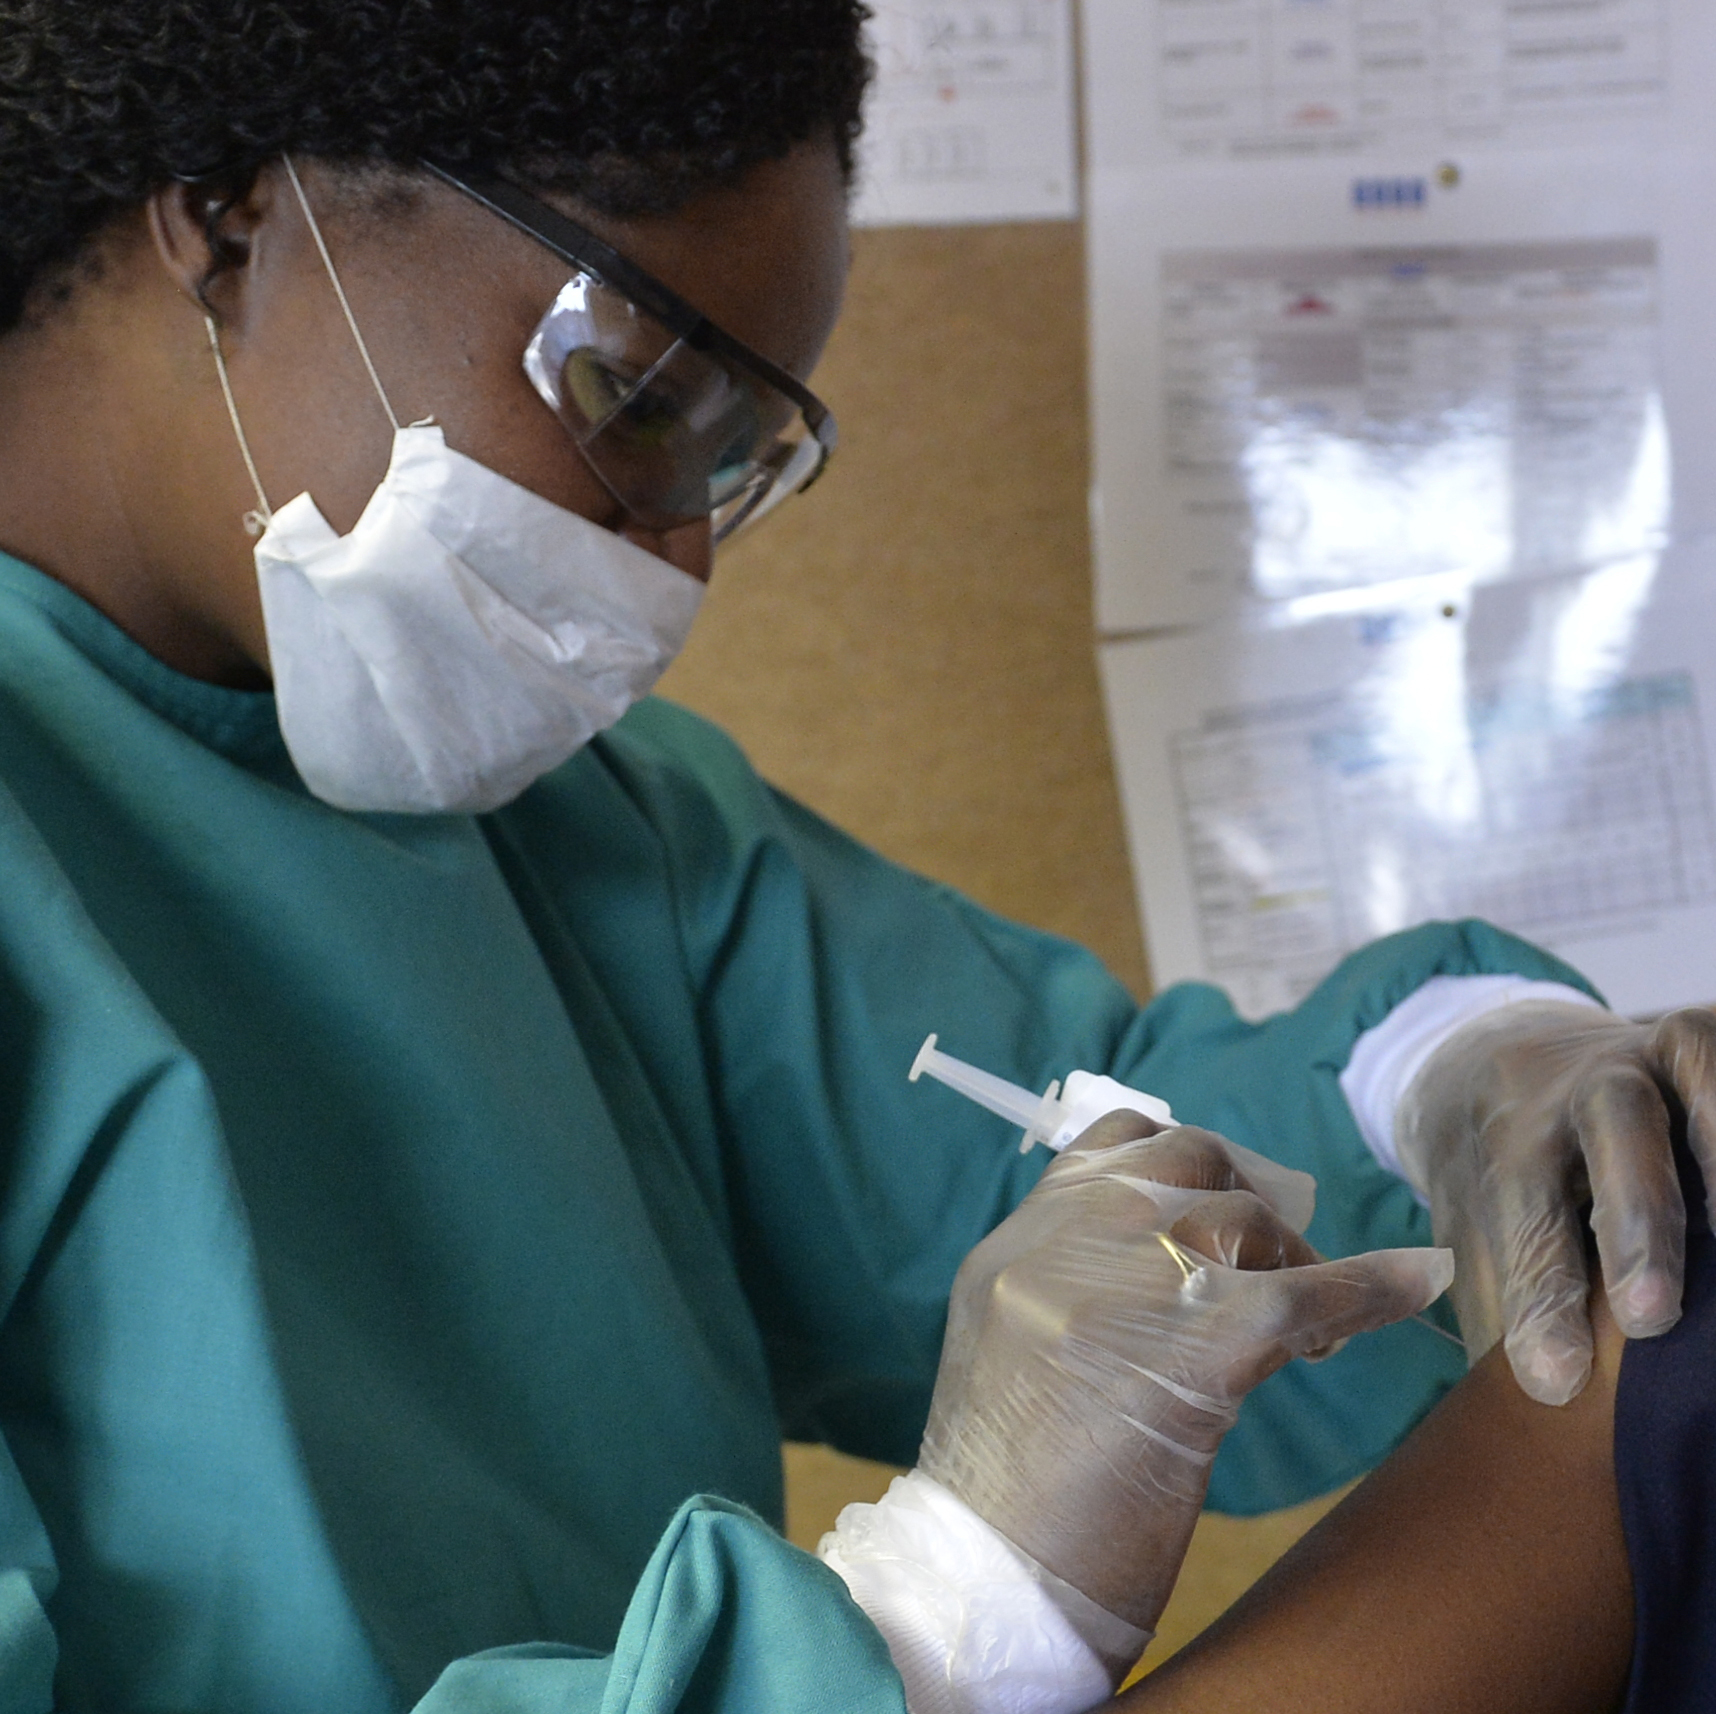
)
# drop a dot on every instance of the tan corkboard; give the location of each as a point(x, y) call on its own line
point(908, 647)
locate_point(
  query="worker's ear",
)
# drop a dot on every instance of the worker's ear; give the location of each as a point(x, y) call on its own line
point(210, 235)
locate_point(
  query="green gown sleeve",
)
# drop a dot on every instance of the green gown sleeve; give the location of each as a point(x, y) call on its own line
point(28, 1650)
point(821, 967)
point(727, 1619)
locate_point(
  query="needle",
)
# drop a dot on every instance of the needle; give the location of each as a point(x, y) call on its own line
point(1440, 1332)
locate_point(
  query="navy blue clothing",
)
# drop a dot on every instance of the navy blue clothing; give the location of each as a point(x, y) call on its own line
point(1665, 1466)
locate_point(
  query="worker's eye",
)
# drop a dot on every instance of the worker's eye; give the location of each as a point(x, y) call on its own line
point(651, 415)
point(614, 397)
point(595, 386)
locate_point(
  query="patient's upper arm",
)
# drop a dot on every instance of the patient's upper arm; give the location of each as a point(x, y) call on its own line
point(1482, 1568)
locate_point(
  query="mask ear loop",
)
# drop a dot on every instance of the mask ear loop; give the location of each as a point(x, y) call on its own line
point(339, 291)
point(259, 520)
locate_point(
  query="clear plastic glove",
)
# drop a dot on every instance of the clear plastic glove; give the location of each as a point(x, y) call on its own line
point(1515, 1124)
point(1101, 1339)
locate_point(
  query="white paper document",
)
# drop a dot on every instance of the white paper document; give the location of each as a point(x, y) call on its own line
point(1341, 417)
point(971, 117)
point(1537, 753)
point(1249, 77)
point(1387, 345)
point(1403, 380)
point(1291, 392)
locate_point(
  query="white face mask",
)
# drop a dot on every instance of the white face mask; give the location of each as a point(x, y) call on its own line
point(466, 636)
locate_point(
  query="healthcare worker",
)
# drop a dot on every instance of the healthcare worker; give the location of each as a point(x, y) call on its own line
point(449, 1131)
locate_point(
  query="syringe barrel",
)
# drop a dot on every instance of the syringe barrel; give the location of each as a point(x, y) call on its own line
point(1006, 1100)
point(1061, 1115)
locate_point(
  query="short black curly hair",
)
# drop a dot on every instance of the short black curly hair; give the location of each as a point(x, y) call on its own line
point(635, 105)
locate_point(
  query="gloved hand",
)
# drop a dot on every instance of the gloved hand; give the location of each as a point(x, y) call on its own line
point(1100, 1341)
point(1513, 1124)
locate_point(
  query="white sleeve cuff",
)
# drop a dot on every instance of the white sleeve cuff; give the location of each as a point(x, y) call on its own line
point(1387, 1057)
point(974, 1625)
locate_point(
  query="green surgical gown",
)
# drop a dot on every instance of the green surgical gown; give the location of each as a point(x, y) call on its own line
point(416, 1233)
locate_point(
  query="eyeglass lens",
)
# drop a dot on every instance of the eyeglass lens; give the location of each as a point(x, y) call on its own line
point(676, 434)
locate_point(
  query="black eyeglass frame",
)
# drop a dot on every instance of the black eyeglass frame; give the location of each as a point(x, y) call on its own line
point(581, 248)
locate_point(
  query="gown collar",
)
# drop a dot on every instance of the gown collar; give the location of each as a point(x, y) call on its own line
point(241, 724)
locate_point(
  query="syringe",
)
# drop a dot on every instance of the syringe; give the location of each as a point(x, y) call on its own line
point(1063, 1111)
point(1058, 1115)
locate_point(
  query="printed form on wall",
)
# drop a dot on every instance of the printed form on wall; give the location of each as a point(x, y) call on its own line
point(971, 117)
point(1255, 77)
point(1400, 314)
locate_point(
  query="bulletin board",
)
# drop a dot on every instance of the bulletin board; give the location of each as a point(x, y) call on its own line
point(1404, 456)
point(908, 647)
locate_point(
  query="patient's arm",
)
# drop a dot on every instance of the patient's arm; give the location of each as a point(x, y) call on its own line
point(1481, 1568)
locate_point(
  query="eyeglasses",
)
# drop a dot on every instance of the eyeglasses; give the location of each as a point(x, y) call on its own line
point(678, 419)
